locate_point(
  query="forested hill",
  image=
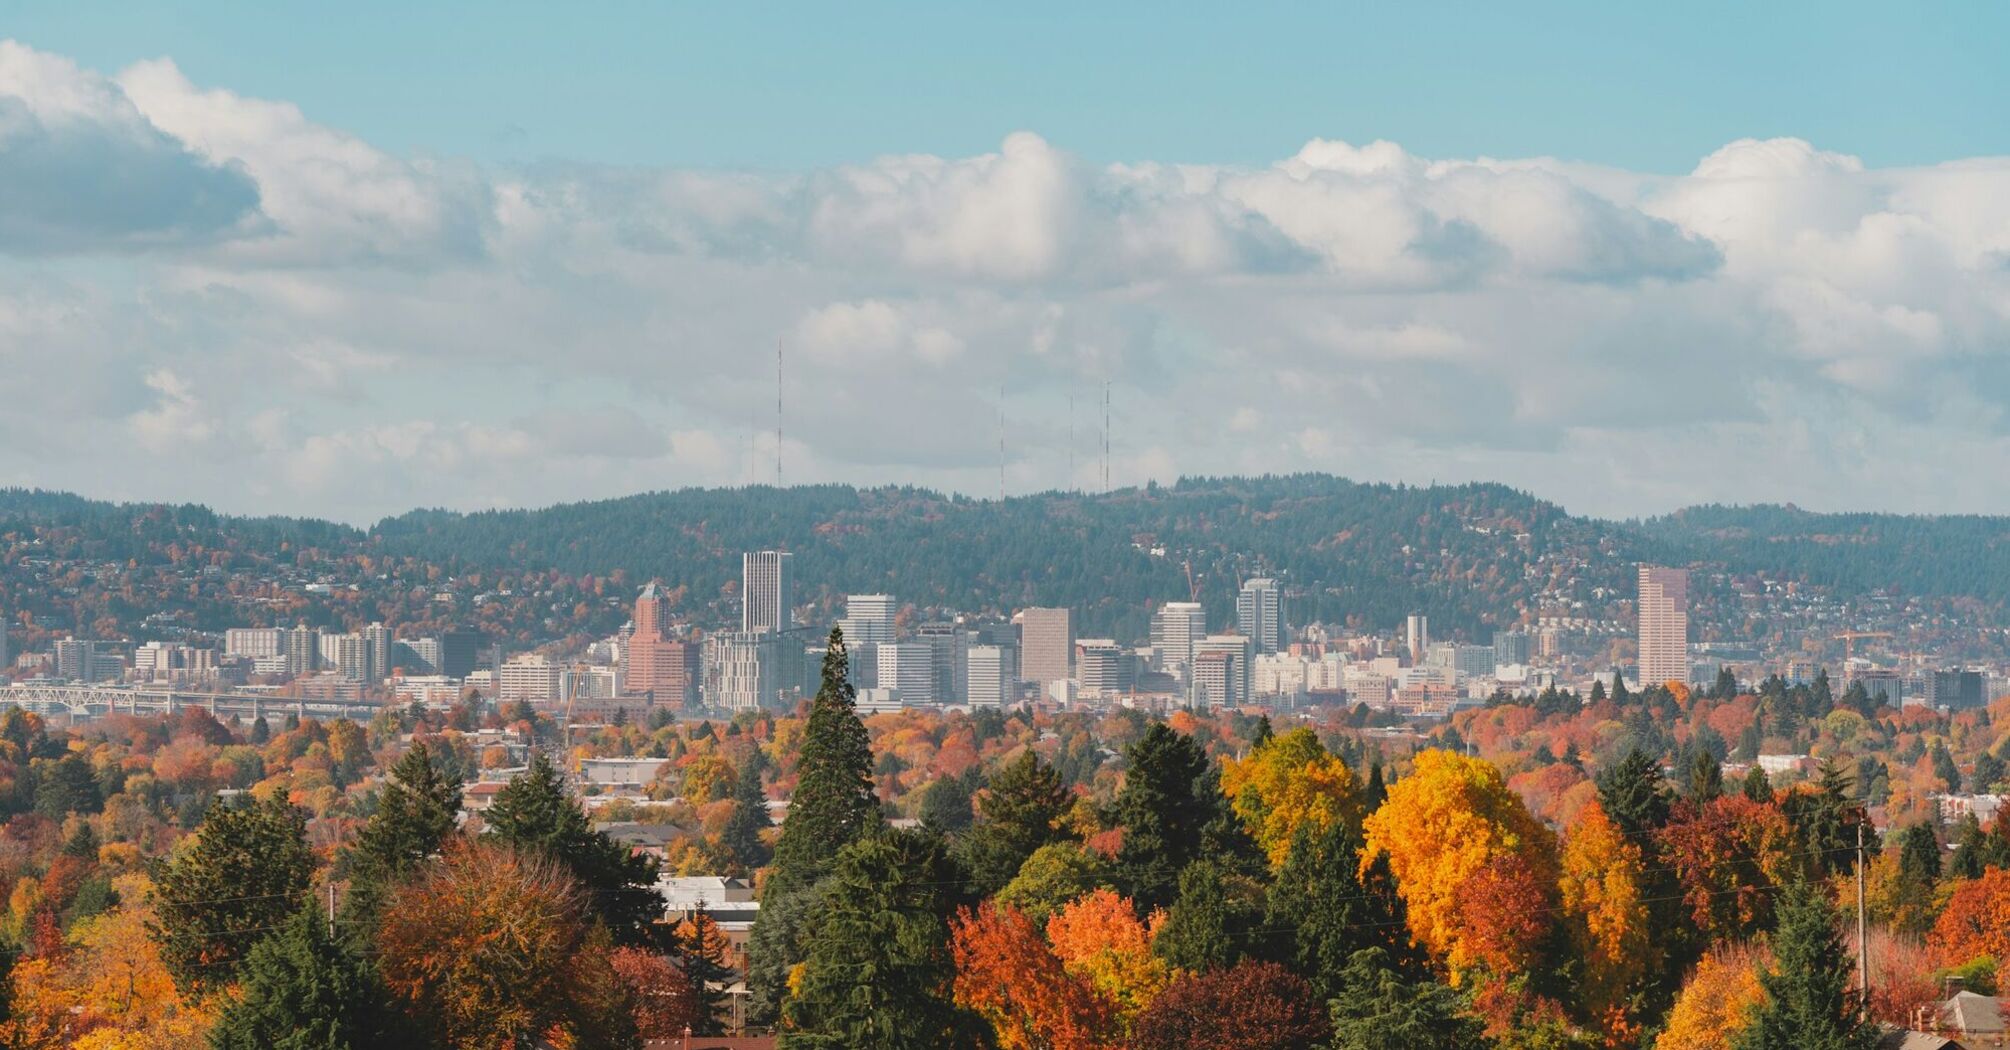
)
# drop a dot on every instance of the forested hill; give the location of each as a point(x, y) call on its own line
point(1470, 556)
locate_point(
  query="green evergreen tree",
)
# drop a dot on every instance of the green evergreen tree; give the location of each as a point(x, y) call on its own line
point(534, 811)
point(1619, 694)
point(242, 876)
point(1758, 786)
point(1919, 854)
point(740, 840)
point(1634, 796)
point(1971, 850)
point(1825, 821)
point(1213, 923)
point(945, 804)
point(1375, 791)
point(1706, 777)
point(775, 945)
point(1325, 908)
point(415, 816)
point(261, 731)
point(834, 804)
point(1021, 810)
point(1163, 814)
point(1808, 1003)
point(1726, 687)
point(878, 970)
point(1379, 1006)
point(304, 989)
point(703, 953)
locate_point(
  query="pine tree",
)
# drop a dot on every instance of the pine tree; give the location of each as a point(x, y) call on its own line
point(1162, 813)
point(416, 809)
point(1213, 923)
point(244, 875)
point(1375, 791)
point(1634, 796)
point(1706, 777)
point(1758, 786)
point(1919, 854)
point(1825, 820)
point(702, 947)
point(1379, 1006)
point(878, 972)
point(945, 804)
point(304, 990)
point(1326, 908)
point(834, 804)
point(1808, 1003)
point(1022, 809)
point(740, 840)
point(261, 730)
point(535, 812)
point(1619, 693)
point(1971, 850)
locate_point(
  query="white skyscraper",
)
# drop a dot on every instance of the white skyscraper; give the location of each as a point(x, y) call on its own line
point(1664, 625)
point(1260, 611)
point(1175, 627)
point(989, 674)
point(908, 668)
point(767, 592)
point(1221, 669)
point(737, 672)
point(868, 618)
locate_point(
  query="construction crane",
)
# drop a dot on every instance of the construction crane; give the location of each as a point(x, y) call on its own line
point(1849, 642)
point(1192, 588)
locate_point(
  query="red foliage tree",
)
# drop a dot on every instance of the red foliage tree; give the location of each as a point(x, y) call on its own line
point(1254, 1006)
point(663, 1002)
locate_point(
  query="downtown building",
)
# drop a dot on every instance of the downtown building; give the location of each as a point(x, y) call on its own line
point(656, 665)
point(1176, 626)
point(767, 591)
point(1046, 645)
point(1664, 625)
point(1259, 609)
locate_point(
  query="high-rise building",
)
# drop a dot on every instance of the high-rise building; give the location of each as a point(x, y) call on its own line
point(76, 659)
point(347, 655)
point(1664, 625)
point(948, 648)
point(254, 642)
point(1046, 644)
point(908, 668)
point(766, 591)
point(868, 618)
point(1260, 611)
point(460, 653)
point(530, 677)
point(658, 666)
point(422, 655)
point(1237, 652)
point(737, 672)
point(6, 657)
point(1102, 666)
point(302, 650)
point(1417, 635)
point(1511, 647)
point(1175, 627)
point(989, 677)
point(378, 638)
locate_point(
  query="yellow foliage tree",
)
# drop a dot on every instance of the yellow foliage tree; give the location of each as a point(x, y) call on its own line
point(1601, 887)
point(1289, 782)
point(1716, 1003)
point(109, 991)
point(1452, 819)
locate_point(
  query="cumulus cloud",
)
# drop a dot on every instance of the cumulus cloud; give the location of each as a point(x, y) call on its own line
point(322, 326)
point(81, 169)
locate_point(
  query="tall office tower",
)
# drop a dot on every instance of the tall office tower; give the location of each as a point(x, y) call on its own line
point(1239, 652)
point(254, 642)
point(530, 677)
point(767, 594)
point(421, 654)
point(948, 648)
point(989, 676)
point(1511, 647)
point(1664, 625)
point(75, 659)
point(1417, 634)
point(737, 671)
point(1175, 627)
point(303, 650)
point(1103, 667)
point(868, 618)
point(1217, 680)
point(1046, 644)
point(1260, 610)
point(657, 665)
point(460, 653)
point(378, 637)
point(908, 668)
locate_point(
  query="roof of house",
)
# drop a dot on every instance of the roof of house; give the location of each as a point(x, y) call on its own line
point(1904, 1040)
point(1969, 1013)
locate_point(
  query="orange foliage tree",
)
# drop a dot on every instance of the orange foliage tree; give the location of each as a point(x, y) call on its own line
point(1728, 856)
point(1099, 938)
point(1006, 972)
point(1976, 921)
point(1441, 827)
point(1603, 876)
point(664, 1003)
point(1716, 1003)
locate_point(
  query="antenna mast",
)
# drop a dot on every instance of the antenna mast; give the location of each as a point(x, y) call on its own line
point(1106, 437)
point(778, 411)
point(1001, 444)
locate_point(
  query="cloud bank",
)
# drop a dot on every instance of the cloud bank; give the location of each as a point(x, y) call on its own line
point(213, 297)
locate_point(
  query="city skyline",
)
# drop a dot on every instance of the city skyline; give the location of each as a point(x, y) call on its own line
point(310, 314)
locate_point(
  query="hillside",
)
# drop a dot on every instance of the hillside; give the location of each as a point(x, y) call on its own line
point(1470, 556)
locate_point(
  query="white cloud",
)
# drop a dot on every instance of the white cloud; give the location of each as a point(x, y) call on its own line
point(320, 326)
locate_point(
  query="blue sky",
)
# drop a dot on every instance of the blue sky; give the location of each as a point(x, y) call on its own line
point(1629, 257)
point(1650, 87)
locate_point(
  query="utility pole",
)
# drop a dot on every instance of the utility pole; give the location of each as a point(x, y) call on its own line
point(331, 908)
point(1862, 927)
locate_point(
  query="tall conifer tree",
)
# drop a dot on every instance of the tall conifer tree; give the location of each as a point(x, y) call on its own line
point(834, 804)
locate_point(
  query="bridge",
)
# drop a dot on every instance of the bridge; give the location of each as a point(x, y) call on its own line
point(92, 701)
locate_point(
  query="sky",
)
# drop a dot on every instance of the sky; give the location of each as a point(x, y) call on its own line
point(1626, 257)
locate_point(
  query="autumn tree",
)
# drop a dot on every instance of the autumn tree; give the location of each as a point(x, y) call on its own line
point(1808, 1003)
point(304, 989)
point(1008, 975)
point(241, 876)
point(1164, 809)
point(1287, 783)
point(1253, 1006)
point(1380, 1005)
point(496, 947)
point(704, 949)
point(1100, 938)
point(878, 971)
point(1325, 905)
point(416, 812)
point(1603, 890)
point(1716, 1003)
point(659, 993)
point(535, 812)
point(834, 804)
point(1450, 820)
point(1020, 811)
point(1976, 922)
point(1054, 875)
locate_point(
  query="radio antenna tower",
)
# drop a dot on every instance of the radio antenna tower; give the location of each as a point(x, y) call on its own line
point(778, 411)
point(1001, 444)
point(1071, 442)
point(1106, 437)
